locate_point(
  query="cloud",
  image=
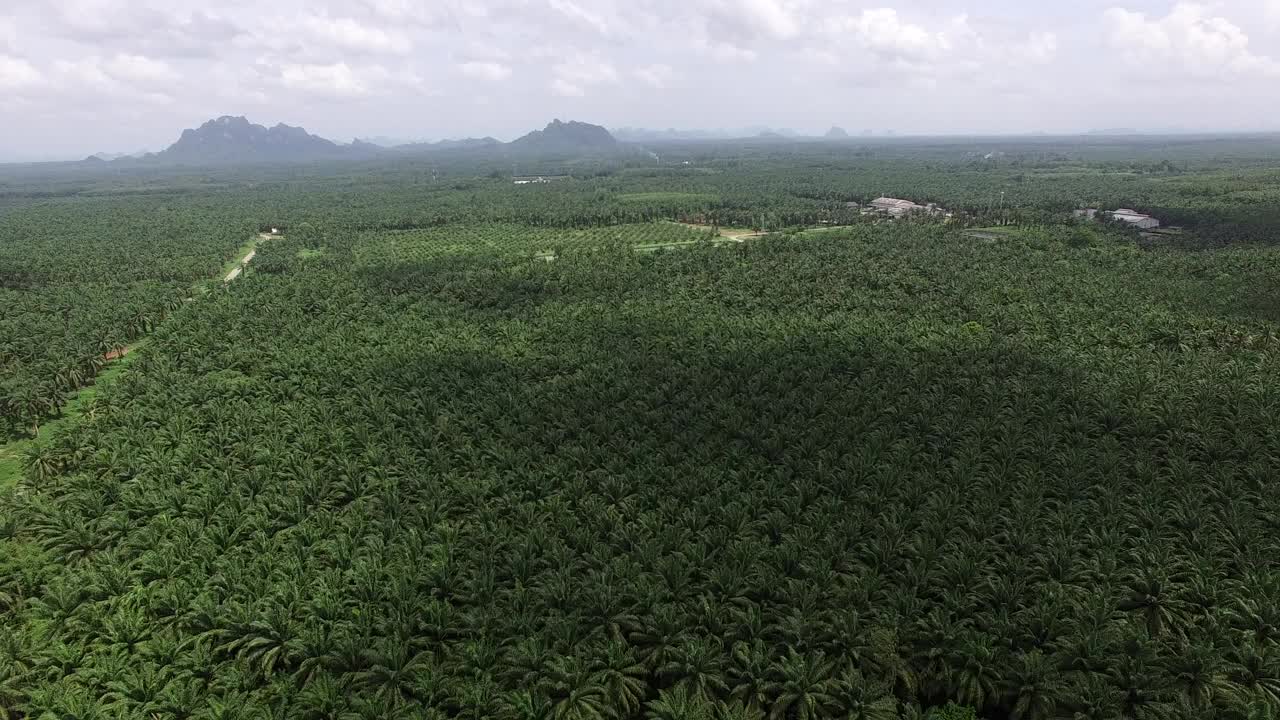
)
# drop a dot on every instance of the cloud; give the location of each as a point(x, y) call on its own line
point(757, 18)
point(140, 70)
point(564, 88)
point(1190, 40)
point(724, 52)
point(1204, 63)
point(572, 77)
point(140, 26)
point(1040, 47)
point(8, 34)
point(333, 80)
point(93, 81)
point(577, 14)
point(413, 11)
point(17, 74)
point(348, 34)
point(655, 76)
point(883, 48)
point(490, 71)
point(884, 32)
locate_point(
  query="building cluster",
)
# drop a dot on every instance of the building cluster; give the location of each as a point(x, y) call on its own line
point(1124, 215)
point(895, 207)
point(534, 179)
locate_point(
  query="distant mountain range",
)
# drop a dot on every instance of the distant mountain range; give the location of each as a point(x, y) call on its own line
point(463, 144)
point(642, 135)
point(117, 156)
point(230, 140)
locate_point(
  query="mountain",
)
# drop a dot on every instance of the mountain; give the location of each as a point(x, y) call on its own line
point(116, 156)
point(386, 142)
point(463, 144)
point(236, 140)
point(836, 133)
point(572, 136)
point(645, 135)
point(1114, 131)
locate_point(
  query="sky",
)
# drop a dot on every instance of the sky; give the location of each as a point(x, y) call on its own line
point(84, 76)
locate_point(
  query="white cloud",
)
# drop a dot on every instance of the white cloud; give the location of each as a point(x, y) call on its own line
point(565, 88)
point(1040, 47)
point(148, 26)
point(85, 74)
point(572, 77)
point(348, 34)
point(17, 74)
point(490, 71)
point(1202, 63)
point(1190, 40)
point(413, 11)
point(656, 76)
point(885, 33)
point(140, 70)
point(724, 52)
point(93, 18)
point(8, 33)
point(579, 15)
point(872, 47)
point(336, 80)
point(766, 18)
point(125, 79)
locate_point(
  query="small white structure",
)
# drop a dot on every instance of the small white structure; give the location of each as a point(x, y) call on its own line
point(1085, 214)
point(894, 206)
point(533, 179)
point(1136, 219)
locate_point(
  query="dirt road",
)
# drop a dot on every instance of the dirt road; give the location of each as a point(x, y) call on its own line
point(235, 272)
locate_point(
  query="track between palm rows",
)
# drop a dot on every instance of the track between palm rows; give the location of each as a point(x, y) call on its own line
point(13, 454)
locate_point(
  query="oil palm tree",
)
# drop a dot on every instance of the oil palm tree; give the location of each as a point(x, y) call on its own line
point(678, 704)
point(1034, 689)
point(802, 687)
point(623, 678)
point(859, 698)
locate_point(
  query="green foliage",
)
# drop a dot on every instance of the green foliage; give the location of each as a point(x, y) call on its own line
point(428, 473)
point(952, 711)
point(83, 278)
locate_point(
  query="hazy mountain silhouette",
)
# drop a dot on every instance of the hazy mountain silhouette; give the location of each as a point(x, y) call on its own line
point(569, 136)
point(235, 140)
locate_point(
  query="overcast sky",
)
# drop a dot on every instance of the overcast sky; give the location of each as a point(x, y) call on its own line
point(80, 76)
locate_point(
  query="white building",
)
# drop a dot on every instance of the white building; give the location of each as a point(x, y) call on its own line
point(894, 206)
point(1135, 218)
point(535, 179)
